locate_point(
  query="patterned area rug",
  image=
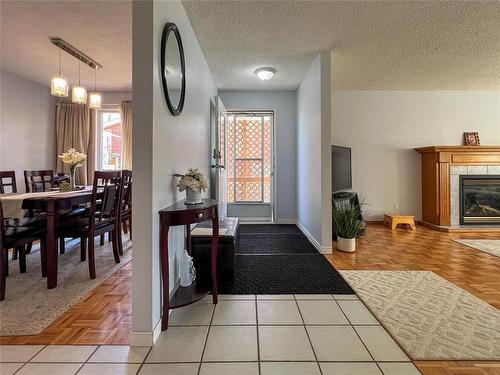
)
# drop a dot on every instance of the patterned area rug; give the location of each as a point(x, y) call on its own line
point(486, 246)
point(429, 317)
point(29, 307)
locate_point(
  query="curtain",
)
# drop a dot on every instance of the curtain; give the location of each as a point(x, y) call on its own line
point(73, 130)
point(126, 117)
point(90, 165)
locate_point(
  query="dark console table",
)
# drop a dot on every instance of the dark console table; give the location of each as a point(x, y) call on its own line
point(182, 214)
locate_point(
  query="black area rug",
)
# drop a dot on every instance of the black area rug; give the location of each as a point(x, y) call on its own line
point(274, 243)
point(284, 274)
point(279, 259)
point(269, 228)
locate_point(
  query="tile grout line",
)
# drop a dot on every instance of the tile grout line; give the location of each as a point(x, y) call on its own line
point(144, 360)
point(206, 338)
point(33, 356)
point(307, 334)
point(374, 325)
point(257, 329)
point(357, 334)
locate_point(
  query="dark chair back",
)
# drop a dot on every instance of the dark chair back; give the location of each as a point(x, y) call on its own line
point(2, 227)
point(8, 182)
point(107, 189)
point(127, 190)
point(36, 181)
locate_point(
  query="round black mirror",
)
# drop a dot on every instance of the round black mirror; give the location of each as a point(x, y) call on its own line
point(173, 68)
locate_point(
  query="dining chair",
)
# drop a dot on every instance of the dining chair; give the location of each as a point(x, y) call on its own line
point(8, 185)
point(42, 180)
point(16, 234)
point(8, 182)
point(103, 217)
point(126, 207)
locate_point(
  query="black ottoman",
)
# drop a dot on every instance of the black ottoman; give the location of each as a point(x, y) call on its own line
point(228, 243)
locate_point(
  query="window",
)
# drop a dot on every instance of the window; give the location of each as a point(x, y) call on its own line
point(249, 158)
point(109, 140)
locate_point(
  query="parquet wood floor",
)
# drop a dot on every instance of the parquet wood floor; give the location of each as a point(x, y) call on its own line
point(429, 250)
point(103, 317)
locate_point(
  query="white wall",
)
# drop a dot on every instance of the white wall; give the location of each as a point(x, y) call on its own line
point(162, 145)
point(27, 126)
point(313, 153)
point(383, 127)
point(284, 103)
point(115, 97)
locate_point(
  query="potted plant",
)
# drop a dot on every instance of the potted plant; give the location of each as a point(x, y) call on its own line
point(74, 159)
point(348, 224)
point(194, 182)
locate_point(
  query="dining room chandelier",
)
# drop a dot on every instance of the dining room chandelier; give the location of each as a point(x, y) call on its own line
point(59, 86)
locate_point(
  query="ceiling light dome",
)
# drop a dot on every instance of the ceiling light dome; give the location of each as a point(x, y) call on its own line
point(265, 74)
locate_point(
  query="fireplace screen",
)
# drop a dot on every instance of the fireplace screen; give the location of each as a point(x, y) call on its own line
point(480, 199)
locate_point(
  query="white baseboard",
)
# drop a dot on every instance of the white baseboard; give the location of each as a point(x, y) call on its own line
point(316, 244)
point(255, 220)
point(286, 221)
point(145, 338)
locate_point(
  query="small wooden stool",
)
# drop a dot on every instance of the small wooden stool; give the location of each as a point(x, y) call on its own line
point(393, 220)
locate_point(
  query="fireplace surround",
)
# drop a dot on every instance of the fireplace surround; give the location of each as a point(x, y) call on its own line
point(441, 168)
point(479, 199)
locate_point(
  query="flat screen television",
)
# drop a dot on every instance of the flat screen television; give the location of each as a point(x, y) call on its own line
point(341, 168)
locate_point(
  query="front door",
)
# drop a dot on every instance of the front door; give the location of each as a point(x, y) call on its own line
point(249, 162)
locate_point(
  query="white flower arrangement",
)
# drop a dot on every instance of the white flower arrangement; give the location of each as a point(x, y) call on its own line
point(73, 158)
point(193, 179)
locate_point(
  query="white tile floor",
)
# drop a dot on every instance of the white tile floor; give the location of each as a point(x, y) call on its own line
point(242, 335)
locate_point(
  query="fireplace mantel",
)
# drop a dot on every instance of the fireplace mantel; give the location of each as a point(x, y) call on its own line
point(436, 162)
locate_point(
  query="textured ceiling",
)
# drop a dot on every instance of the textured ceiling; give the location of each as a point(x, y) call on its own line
point(100, 29)
point(407, 45)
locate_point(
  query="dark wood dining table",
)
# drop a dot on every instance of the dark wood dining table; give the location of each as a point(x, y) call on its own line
point(53, 205)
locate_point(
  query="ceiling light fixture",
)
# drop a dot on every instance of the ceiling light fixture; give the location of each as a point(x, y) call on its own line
point(79, 93)
point(95, 98)
point(265, 74)
point(58, 85)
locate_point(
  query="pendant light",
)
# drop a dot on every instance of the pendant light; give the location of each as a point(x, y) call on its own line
point(95, 98)
point(58, 85)
point(79, 93)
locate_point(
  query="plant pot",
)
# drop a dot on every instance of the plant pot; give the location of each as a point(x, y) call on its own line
point(346, 244)
point(193, 196)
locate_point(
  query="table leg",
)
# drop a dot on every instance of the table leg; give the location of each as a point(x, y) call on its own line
point(51, 249)
point(188, 238)
point(215, 248)
point(164, 273)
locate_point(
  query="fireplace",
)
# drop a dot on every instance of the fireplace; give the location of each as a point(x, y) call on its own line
point(480, 199)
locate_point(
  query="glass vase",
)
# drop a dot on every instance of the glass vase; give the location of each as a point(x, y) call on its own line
point(72, 181)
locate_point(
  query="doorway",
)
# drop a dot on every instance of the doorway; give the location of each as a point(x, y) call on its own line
point(250, 165)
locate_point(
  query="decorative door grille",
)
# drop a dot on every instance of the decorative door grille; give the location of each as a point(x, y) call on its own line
point(249, 159)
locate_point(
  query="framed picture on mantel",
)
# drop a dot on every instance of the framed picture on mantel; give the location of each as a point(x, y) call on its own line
point(471, 139)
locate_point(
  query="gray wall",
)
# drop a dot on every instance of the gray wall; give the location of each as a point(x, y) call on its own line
point(383, 127)
point(27, 126)
point(313, 153)
point(162, 145)
point(284, 103)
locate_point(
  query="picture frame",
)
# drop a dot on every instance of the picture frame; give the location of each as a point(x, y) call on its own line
point(471, 139)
